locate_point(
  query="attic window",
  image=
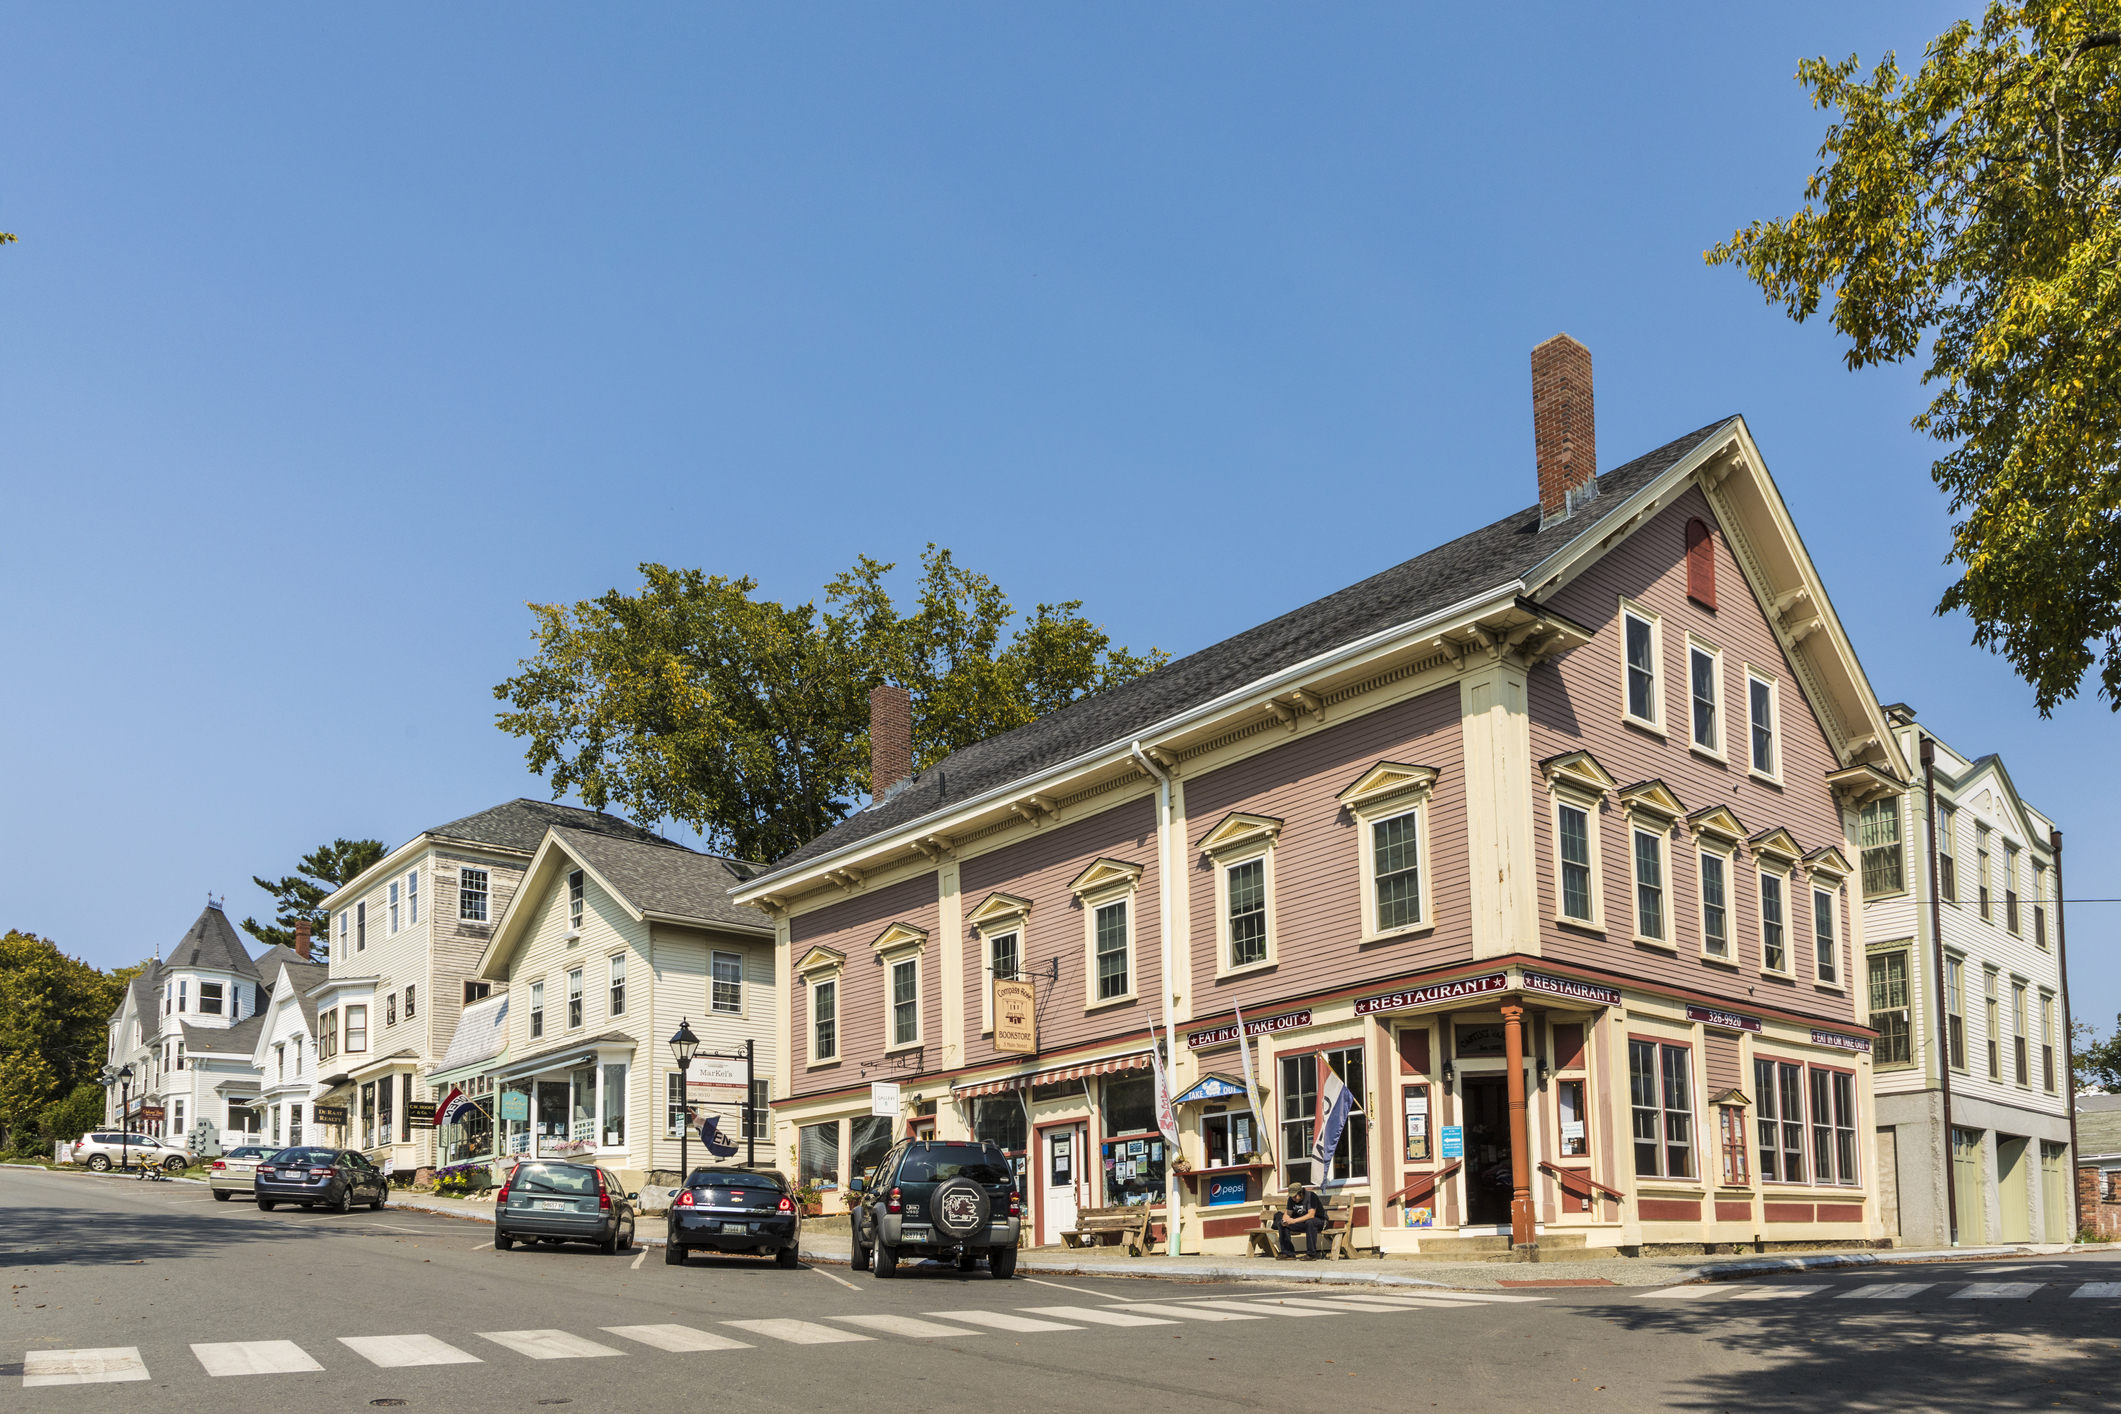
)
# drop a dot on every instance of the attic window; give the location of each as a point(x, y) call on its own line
point(1700, 565)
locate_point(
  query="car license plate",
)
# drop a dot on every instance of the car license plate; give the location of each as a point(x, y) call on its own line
point(554, 1205)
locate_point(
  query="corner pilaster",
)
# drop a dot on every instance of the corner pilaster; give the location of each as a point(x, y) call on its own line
point(1498, 755)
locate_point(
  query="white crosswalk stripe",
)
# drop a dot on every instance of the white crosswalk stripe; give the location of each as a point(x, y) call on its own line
point(680, 1340)
point(2098, 1288)
point(904, 1325)
point(1996, 1291)
point(1311, 1305)
point(254, 1357)
point(548, 1345)
point(1002, 1321)
point(395, 1352)
point(1187, 1313)
point(1890, 1291)
point(1445, 1294)
point(106, 1365)
point(1778, 1293)
point(1689, 1293)
point(798, 1332)
point(1097, 1317)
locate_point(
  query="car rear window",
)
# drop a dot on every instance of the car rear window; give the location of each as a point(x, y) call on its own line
point(935, 1165)
point(735, 1178)
point(305, 1156)
point(248, 1153)
point(556, 1178)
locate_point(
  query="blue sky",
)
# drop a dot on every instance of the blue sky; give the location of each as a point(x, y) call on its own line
point(333, 338)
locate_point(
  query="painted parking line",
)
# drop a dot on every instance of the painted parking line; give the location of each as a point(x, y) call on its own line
point(1778, 1293)
point(1185, 1313)
point(254, 1357)
point(1001, 1321)
point(1097, 1318)
point(904, 1325)
point(83, 1367)
point(395, 1352)
point(798, 1332)
point(2098, 1288)
point(677, 1339)
point(1996, 1291)
point(548, 1345)
point(1889, 1291)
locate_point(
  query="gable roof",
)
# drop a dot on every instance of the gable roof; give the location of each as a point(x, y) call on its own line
point(521, 824)
point(212, 942)
point(144, 993)
point(1485, 561)
point(240, 1039)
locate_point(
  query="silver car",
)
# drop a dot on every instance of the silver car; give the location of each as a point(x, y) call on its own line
point(107, 1148)
point(235, 1172)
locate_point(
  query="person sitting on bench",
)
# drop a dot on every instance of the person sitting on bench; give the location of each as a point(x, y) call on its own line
point(1301, 1215)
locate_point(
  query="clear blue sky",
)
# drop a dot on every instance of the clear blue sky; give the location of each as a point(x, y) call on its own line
point(333, 339)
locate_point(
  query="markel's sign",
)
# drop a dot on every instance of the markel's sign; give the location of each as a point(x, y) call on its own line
point(1437, 992)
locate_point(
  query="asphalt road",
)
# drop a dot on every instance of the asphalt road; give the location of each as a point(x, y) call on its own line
point(314, 1312)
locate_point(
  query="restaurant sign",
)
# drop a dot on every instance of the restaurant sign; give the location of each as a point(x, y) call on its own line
point(1722, 1020)
point(1571, 988)
point(1436, 992)
point(1840, 1042)
point(1266, 1026)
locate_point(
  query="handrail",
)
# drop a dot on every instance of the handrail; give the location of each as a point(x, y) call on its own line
point(1580, 1176)
point(1431, 1179)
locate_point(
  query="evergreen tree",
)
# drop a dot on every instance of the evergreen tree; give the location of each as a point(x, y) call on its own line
point(320, 874)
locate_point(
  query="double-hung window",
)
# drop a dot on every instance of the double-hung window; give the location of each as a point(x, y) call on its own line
point(1641, 669)
point(537, 1010)
point(410, 1009)
point(1992, 1016)
point(905, 1002)
point(344, 918)
point(360, 926)
point(1396, 859)
point(673, 1105)
point(1981, 876)
point(393, 907)
point(356, 1028)
point(1774, 944)
point(2047, 1043)
point(2018, 1055)
point(1661, 1094)
point(1575, 831)
point(2039, 905)
point(1245, 887)
point(390, 1009)
point(574, 901)
point(1833, 1127)
point(2010, 886)
point(1649, 885)
point(1781, 1117)
point(1299, 1110)
point(1947, 856)
point(1004, 958)
point(1826, 949)
point(1878, 830)
point(184, 995)
point(1760, 703)
point(1701, 680)
point(412, 898)
point(1715, 907)
point(574, 999)
point(472, 891)
point(825, 1020)
point(1955, 1012)
point(728, 983)
point(1112, 971)
point(618, 984)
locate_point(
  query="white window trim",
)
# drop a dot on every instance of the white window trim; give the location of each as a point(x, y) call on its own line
point(997, 917)
point(1105, 882)
point(1590, 807)
point(1762, 869)
point(1629, 608)
point(1774, 687)
point(891, 967)
point(1401, 794)
point(743, 998)
point(1728, 853)
point(1240, 839)
point(617, 959)
point(393, 889)
point(818, 972)
point(412, 898)
point(625, 1100)
point(1641, 826)
point(1722, 750)
point(567, 996)
point(1832, 887)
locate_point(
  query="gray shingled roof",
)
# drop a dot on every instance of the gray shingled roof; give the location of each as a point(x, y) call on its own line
point(521, 824)
point(2098, 1125)
point(213, 942)
point(667, 878)
point(239, 1039)
point(1483, 561)
point(147, 994)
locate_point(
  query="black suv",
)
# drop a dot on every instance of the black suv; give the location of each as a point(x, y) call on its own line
point(953, 1199)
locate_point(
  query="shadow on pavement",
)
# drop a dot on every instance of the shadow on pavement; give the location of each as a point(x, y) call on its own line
point(33, 1235)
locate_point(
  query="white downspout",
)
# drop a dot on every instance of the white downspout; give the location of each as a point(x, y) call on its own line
point(1163, 931)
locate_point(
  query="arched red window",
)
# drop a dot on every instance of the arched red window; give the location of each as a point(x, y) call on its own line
point(1700, 565)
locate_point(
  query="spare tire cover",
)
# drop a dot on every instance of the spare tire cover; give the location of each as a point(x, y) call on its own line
point(960, 1207)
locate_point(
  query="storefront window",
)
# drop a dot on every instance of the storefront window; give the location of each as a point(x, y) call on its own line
point(1227, 1138)
point(368, 1115)
point(515, 1116)
point(615, 1105)
point(471, 1137)
point(869, 1140)
point(999, 1121)
point(1568, 1104)
point(818, 1153)
point(583, 1129)
point(1299, 1110)
point(1133, 1150)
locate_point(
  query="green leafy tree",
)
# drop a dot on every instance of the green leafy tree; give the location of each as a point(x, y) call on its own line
point(2095, 1064)
point(74, 1115)
point(54, 1017)
point(321, 873)
point(748, 720)
point(1970, 209)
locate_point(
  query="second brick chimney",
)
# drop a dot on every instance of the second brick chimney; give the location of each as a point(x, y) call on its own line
point(302, 938)
point(1564, 429)
point(890, 738)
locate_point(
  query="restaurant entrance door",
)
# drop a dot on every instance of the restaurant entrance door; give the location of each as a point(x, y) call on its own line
point(1487, 1117)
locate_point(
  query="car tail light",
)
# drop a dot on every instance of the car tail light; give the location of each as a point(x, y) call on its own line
point(1016, 1204)
point(218, 1166)
point(686, 1200)
point(322, 1173)
point(603, 1198)
point(891, 1204)
point(502, 1196)
point(785, 1206)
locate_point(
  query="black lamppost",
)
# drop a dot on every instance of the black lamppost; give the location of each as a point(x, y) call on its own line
point(125, 1105)
point(682, 1047)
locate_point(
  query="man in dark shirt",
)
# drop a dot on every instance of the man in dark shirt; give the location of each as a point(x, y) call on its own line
point(1301, 1215)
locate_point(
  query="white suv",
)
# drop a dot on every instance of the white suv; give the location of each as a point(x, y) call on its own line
point(104, 1148)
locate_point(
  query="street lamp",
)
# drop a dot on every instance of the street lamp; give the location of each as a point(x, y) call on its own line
point(682, 1048)
point(125, 1104)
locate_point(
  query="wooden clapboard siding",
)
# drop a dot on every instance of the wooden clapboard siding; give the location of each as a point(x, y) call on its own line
point(1317, 885)
point(1040, 868)
point(1576, 704)
point(850, 928)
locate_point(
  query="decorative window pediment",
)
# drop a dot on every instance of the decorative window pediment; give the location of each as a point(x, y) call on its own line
point(1829, 864)
point(1654, 799)
point(1238, 830)
point(819, 960)
point(1578, 773)
point(1776, 844)
point(1388, 783)
point(900, 938)
point(1105, 876)
point(1863, 783)
point(998, 912)
point(1718, 823)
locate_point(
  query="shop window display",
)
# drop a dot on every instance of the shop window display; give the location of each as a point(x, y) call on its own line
point(1133, 1151)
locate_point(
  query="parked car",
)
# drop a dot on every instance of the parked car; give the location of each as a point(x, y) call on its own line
point(103, 1148)
point(319, 1178)
point(734, 1211)
point(953, 1199)
point(551, 1200)
point(236, 1172)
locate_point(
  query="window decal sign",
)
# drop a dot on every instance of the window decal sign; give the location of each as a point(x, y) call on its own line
point(1722, 1020)
point(1436, 992)
point(1571, 988)
point(1216, 1036)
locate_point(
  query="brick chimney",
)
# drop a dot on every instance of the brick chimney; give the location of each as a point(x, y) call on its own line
point(302, 938)
point(890, 738)
point(1564, 428)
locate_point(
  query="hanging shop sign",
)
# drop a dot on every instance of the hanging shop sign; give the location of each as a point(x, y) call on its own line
point(1262, 1026)
point(421, 1113)
point(1722, 1020)
point(884, 1098)
point(1213, 1087)
point(515, 1104)
point(1436, 992)
point(1841, 1043)
point(1015, 1016)
point(715, 1080)
point(331, 1114)
point(1571, 988)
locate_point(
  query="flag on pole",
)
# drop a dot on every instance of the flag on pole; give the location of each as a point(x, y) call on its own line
point(716, 1145)
point(1259, 1116)
point(1165, 1119)
point(1335, 1102)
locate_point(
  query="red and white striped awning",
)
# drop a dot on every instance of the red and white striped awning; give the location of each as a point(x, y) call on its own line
point(1110, 1065)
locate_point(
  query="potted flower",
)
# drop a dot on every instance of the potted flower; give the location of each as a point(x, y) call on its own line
point(810, 1199)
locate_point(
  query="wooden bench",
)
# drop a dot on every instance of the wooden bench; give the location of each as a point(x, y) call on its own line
point(1126, 1227)
point(1265, 1240)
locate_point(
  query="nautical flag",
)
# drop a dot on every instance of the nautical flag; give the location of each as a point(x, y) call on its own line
point(1335, 1102)
point(1165, 1119)
point(716, 1145)
point(1259, 1116)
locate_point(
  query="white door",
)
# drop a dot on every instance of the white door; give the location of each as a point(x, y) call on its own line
point(1062, 1171)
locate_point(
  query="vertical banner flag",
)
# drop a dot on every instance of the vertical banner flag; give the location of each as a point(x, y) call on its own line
point(1165, 1120)
point(1335, 1102)
point(1259, 1116)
